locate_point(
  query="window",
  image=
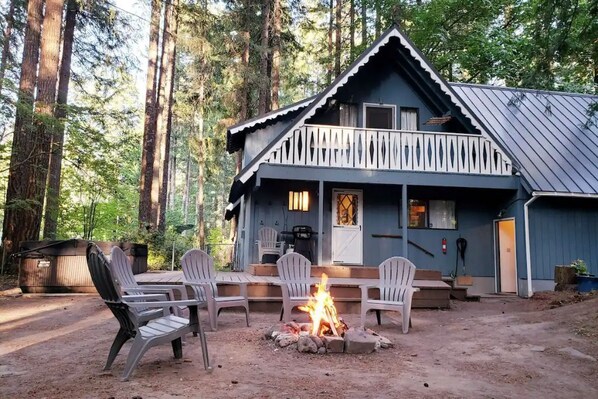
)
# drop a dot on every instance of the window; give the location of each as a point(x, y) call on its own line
point(409, 119)
point(299, 201)
point(431, 214)
point(379, 116)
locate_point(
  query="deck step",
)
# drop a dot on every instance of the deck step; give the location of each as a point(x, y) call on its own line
point(337, 271)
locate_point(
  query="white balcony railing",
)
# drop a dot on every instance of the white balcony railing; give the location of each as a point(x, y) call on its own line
point(343, 147)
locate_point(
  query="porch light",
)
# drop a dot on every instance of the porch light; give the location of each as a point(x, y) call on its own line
point(299, 201)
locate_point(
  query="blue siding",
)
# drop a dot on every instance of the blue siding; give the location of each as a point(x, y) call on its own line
point(562, 230)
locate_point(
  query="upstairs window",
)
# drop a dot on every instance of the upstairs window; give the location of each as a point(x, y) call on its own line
point(379, 116)
point(409, 119)
point(347, 115)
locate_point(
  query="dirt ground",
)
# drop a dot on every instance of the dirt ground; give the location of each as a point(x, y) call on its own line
point(501, 347)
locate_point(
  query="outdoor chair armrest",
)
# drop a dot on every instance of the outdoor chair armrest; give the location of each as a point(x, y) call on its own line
point(164, 288)
point(145, 297)
point(160, 304)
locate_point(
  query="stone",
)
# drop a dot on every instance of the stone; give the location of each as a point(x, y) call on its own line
point(285, 339)
point(305, 326)
point(306, 345)
point(317, 340)
point(575, 353)
point(358, 341)
point(272, 332)
point(322, 350)
point(334, 344)
point(385, 343)
point(296, 328)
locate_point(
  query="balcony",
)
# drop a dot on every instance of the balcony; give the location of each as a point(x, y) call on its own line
point(396, 150)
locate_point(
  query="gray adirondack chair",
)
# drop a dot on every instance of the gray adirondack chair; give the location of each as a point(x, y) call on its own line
point(396, 290)
point(199, 273)
point(268, 244)
point(294, 271)
point(161, 330)
point(122, 272)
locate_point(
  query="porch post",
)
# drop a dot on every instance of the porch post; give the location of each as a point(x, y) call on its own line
point(320, 219)
point(247, 231)
point(404, 216)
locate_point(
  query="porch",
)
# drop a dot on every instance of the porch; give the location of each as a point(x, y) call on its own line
point(265, 295)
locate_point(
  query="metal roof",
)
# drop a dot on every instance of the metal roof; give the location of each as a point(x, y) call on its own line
point(548, 133)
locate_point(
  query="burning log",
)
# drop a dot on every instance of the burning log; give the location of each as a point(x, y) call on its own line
point(322, 312)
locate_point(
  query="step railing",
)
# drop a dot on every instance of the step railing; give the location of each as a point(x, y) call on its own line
point(343, 147)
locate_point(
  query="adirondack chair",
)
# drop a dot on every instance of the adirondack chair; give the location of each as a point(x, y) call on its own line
point(294, 271)
point(199, 273)
point(267, 243)
point(169, 328)
point(396, 290)
point(123, 273)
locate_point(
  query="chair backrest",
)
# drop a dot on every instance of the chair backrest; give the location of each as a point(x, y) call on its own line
point(99, 269)
point(267, 237)
point(294, 269)
point(396, 275)
point(122, 269)
point(198, 267)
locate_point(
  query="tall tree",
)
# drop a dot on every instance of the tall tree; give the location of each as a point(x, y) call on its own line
point(264, 82)
point(44, 103)
point(149, 125)
point(60, 113)
point(276, 31)
point(352, 30)
point(338, 36)
point(330, 48)
point(7, 35)
point(19, 217)
point(364, 24)
point(165, 118)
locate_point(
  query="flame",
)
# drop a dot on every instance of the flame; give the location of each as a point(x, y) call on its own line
point(322, 312)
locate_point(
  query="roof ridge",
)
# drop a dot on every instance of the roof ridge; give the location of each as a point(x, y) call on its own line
point(523, 89)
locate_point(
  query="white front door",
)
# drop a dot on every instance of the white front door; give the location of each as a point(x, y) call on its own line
point(347, 230)
point(507, 266)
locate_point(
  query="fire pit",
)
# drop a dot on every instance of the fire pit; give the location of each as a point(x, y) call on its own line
point(327, 332)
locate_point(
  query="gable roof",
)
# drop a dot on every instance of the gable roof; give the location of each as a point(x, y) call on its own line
point(235, 135)
point(397, 37)
point(547, 133)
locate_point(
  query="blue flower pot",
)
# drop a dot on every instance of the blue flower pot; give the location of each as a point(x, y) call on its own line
point(587, 283)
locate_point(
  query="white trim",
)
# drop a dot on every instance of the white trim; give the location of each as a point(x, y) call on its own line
point(271, 115)
point(342, 80)
point(496, 255)
point(379, 105)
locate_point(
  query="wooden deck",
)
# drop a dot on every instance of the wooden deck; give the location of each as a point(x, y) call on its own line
point(265, 295)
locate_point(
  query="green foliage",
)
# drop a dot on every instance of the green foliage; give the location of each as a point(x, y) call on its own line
point(580, 266)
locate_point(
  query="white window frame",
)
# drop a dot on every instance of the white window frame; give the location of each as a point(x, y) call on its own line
point(376, 105)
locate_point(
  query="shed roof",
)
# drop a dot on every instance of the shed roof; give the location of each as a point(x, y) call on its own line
point(550, 134)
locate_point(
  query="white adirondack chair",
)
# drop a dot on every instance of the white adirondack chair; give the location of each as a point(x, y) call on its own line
point(160, 330)
point(267, 243)
point(122, 272)
point(198, 272)
point(396, 290)
point(294, 271)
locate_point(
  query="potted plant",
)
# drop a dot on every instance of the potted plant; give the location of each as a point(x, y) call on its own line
point(585, 281)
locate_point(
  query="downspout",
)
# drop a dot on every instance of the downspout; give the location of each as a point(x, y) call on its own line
point(535, 196)
point(528, 255)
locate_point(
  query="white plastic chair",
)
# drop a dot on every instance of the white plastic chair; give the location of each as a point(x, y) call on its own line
point(396, 290)
point(198, 272)
point(294, 271)
point(267, 243)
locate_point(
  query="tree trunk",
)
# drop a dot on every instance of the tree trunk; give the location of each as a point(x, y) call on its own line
point(149, 125)
point(276, 55)
point(187, 189)
point(165, 117)
point(19, 216)
point(378, 25)
point(364, 24)
point(60, 112)
point(352, 30)
point(330, 55)
point(45, 102)
point(201, 238)
point(264, 88)
point(172, 174)
point(10, 19)
point(338, 33)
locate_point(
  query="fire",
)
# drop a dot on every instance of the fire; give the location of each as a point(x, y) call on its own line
point(322, 312)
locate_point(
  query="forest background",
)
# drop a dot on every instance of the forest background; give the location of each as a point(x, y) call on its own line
point(113, 113)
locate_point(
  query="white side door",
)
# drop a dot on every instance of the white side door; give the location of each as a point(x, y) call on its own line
point(507, 263)
point(347, 226)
